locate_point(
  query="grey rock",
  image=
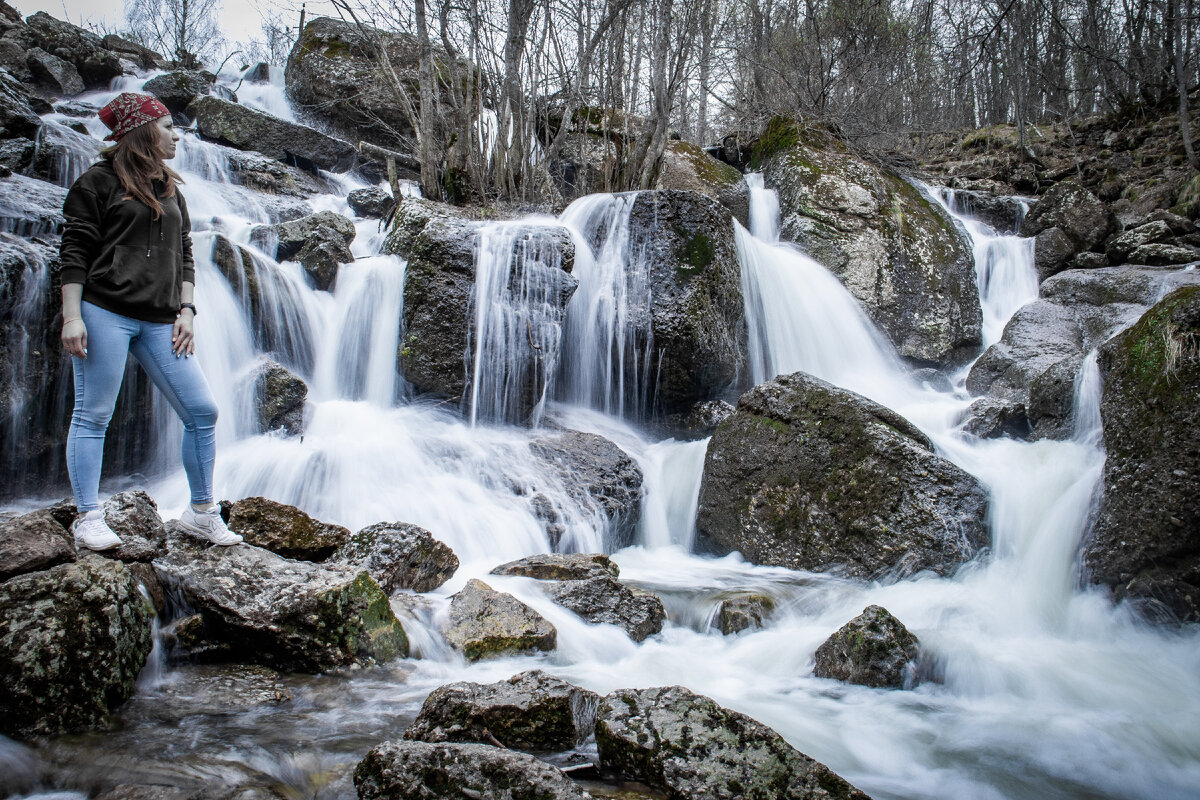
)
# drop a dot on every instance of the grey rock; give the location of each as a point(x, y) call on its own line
point(33, 542)
point(1077, 212)
point(530, 711)
point(81, 48)
point(178, 89)
point(1180, 226)
point(1052, 252)
point(1145, 544)
point(561, 567)
point(1052, 399)
point(687, 166)
point(742, 611)
point(1120, 247)
point(285, 530)
point(212, 690)
point(372, 202)
point(689, 747)
point(1004, 213)
point(873, 649)
point(134, 517)
point(412, 215)
point(17, 117)
point(1089, 260)
point(1039, 335)
point(703, 418)
point(486, 623)
point(1161, 255)
point(30, 207)
point(72, 641)
point(269, 176)
point(808, 476)
point(989, 418)
point(144, 57)
point(399, 556)
point(61, 76)
point(279, 397)
point(403, 770)
point(259, 73)
point(605, 600)
point(320, 242)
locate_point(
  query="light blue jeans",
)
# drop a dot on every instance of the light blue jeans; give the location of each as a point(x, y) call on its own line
point(110, 337)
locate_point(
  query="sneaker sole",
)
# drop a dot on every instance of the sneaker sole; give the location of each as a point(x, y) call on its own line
point(79, 543)
point(204, 534)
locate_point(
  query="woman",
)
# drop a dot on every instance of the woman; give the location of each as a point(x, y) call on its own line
point(127, 287)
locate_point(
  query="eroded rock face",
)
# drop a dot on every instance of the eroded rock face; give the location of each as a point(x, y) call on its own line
point(72, 641)
point(808, 476)
point(689, 747)
point(873, 649)
point(399, 556)
point(33, 542)
point(1146, 540)
point(484, 622)
point(403, 770)
point(285, 529)
point(1075, 211)
point(530, 711)
point(896, 251)
point(561, 567)
point(60, 76)
point(279, 396)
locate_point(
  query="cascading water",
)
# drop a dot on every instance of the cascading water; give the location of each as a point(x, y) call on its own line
point(1042, 691)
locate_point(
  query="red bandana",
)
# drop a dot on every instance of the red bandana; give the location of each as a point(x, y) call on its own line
point(130, 110)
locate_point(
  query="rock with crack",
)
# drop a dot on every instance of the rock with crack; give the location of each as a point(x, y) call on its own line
point(399, 556)
point(486, 623)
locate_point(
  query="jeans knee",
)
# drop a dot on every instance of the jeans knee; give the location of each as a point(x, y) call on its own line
point(201, 415)
point(90, 420)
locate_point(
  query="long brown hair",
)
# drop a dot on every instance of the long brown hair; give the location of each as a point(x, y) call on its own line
point(138, 160)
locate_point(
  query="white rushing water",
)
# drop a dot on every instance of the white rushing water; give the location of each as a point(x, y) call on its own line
point(1042, 690)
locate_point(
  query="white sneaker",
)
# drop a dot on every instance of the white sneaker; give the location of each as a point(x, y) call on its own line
point(92, 532)
point(209, 525)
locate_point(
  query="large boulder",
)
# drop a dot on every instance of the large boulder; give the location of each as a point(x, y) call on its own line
point(687, 166)
point(403, 770)
point(246, 129)
point(898, 252)
point(808, 476)
point(605, 600)
point(1146, 540)
point(285, 529)
point(279, 397)
point(178, 89)
point(320, 242)
point(58, 75)
point(531, 711)
point(72, 641)
point(371, 202)
point(84, 50)
point(399, 556)
point(144, 57)
point(561, 567)
point(17, 117)
point(33, 542)
point(290, 615)
point(1039, 335)
point(1076, 212)
point(873, 649)
point(689, 747)
point(485, 623)
point(599, 477)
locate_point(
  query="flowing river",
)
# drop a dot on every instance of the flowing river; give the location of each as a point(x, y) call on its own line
point(1041, 689)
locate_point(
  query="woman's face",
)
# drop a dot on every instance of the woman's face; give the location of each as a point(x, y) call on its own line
point(170, 136)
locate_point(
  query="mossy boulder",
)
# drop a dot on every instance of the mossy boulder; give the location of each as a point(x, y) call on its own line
point(399, 556)
point(72, 641)
point(687, 166)
point(742, 611)
point(894, 249)
point(873, 649)
point(485, 623)
point(1146, 540)
point(285, 529)
point(808, 476)
point(690, 748)
point(531, 711)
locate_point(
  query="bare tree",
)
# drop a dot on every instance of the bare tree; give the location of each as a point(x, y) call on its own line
point(185, 31)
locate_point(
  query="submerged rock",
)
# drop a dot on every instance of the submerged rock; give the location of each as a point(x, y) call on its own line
point(399, 556)
point(403, 770)
point(212, 689)
point(285, 529)
point(743, 611)
point(485, 623)
point(808, 476)
point(873, 649)
point(72, 641)
point(561, 567)
point(529, 711)
point(989, 418)
point(1146, 540)
point(605, 600)
point(33, 542)
point(693, 749)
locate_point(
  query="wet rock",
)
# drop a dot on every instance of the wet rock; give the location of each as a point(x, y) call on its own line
point(561, 567)
point(743, 611)
point(686, 745)
point(60, 76)
point(72, 641)
point(605, 600)
point(598, 476)
point(485, 623)
point(246, 129)
point(1004, 213)
point(896, 251)
point(412, 215)
point(702, 419)
point(178, 89)
point(309, 240)
point(269, 176)
point(687, 166)
point(1052, 252)
point(808, 476)
point(213, 690)
point(259, 73)
point(372, 202)
point(285, 529)
point(685, 244)
point(33, 542)
point(1071, 208)
point(1052, 399)
point(1146, 541)
point(279, 397)
point(530, 711)
point(1162, 255)
point(1039, 335)
point(399, 556)
point(190, 641)
point(81, 48)
point(403, 770)
point(989, 418)
point(1120, 247)
point(17, 117)
point(30, 207)
point(144, 57)
point(134, 517)
point(290, 615)
point(1088, 260)
point(873, 649)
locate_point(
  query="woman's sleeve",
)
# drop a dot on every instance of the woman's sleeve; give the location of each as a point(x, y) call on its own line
point(81, 234)
point(185, 245)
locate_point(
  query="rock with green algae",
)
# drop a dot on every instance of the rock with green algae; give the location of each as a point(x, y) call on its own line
point(687, 166)
point(743, 611)
point(896, 251)
point(873, 649)
point(485, 623)
point(72, 641)
point(284, 529)
point(808, 476)
point(399, 556)
point(1146, 541)
point(290, 615)
point(530, 711)
point(693, 749)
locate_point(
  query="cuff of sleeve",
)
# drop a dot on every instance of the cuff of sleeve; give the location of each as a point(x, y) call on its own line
point(72, 275)
point(189, 276)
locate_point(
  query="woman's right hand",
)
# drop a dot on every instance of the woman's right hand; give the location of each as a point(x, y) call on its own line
point(74, 337)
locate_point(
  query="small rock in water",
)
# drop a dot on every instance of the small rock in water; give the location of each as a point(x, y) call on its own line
point(285, 529)
point(399, 556)
point(485, 623)
point(372, 202)
point(743, 611)
point(607, 600)
point(530, 711)
point(214, 689)
point(989, 418)
point(873, 649)
point(561, 567)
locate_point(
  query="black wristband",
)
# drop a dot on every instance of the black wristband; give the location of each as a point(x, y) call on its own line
point(182, 306)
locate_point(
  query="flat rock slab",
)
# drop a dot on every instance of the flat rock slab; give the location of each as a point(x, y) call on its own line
point(873, 649)
point(529, 711)
point(399, 556)
point(693, 749)
point(561, 567)
point(484, 623)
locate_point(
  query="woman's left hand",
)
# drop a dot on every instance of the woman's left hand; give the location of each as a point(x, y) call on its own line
point(183, 339)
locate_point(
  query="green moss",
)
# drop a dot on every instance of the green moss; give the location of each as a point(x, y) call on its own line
point(706, 167)
point(695, 253)
point(780, 134)
point(1156, 347)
